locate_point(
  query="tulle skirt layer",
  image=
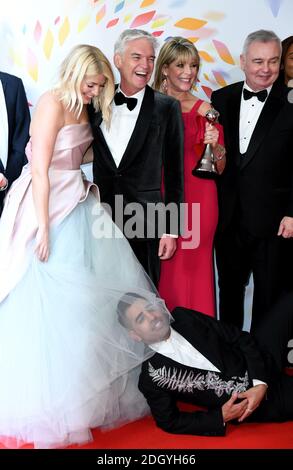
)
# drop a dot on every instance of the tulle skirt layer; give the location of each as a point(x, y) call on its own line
point(66, 364)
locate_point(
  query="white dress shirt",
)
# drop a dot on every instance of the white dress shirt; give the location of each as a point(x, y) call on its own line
point(249, 113)
point(180, 350)
point(122, 126)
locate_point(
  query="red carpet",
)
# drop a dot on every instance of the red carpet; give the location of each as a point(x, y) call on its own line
point(144, 434)
point(142, 442)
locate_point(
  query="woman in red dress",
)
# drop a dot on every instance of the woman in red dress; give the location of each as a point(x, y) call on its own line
point(188, 278)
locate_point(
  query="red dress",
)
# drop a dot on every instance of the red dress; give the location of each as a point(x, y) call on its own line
point(187, 279)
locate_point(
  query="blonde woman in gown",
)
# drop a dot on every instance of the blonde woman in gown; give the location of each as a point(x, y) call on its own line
point(66, 365)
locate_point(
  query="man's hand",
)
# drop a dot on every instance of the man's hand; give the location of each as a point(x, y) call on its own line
point(232, 410)
point(220, 165)
point(3, 182)
point(254, 396)
point(286, 227)
point(167, 247)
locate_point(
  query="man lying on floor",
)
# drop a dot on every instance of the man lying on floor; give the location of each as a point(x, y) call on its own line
point(199, 360)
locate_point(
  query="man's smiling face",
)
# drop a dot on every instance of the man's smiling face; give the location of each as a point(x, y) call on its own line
point(135, 65)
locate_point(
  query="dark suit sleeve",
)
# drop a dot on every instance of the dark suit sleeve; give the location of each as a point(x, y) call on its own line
point(228, 334)
point(169, 418)
point(288, 111)
point(18, 124)
point(245, 342)
point(213, 99)
point(173, 162)
point(216, 102)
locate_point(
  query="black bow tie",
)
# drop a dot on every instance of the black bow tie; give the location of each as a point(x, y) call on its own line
point(119, 99)
point(261, 95)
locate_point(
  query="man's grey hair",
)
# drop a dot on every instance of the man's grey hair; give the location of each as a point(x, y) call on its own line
point(131, 35)
point(262, 35)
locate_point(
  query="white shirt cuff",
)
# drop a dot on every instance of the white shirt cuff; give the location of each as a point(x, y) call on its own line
point(258, 382)
point(170, 235)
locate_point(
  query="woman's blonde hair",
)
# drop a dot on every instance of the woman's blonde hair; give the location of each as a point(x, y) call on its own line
point(173, 49)
point(85, 60)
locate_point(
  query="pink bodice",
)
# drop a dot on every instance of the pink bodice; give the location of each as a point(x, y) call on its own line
point(71, 144)
point(68, 187)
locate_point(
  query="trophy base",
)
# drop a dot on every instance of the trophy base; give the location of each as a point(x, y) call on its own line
point(205, 174)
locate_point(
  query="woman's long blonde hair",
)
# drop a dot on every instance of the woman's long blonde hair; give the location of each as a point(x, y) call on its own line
point(85, 60)
point(173, 49)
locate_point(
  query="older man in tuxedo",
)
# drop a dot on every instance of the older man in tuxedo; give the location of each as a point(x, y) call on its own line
point(14, 130)
point(256, 190)
point(140, 157)
point(203, 361)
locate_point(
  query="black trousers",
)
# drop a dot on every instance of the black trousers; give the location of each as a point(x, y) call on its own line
point(238, 254)
point(272, 337)
point(146, 252)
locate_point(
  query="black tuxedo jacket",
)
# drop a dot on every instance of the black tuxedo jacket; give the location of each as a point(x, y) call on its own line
point(232, 351)
point(156, 144)
point(261, 182)
point(18, 127)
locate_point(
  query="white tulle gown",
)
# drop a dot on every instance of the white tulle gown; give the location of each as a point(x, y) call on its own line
point(66, 365)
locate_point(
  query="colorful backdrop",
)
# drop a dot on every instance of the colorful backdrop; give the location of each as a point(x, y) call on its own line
point(35, 35)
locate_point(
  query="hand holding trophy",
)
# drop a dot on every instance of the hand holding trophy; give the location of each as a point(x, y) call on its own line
point(206, 168)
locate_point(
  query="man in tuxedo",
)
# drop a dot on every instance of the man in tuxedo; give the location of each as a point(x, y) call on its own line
point(200, 360)
point(140, 157)
point(256, 189)
point(14, 130)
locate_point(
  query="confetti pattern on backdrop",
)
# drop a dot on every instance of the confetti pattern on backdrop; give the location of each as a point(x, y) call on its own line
point(48, 44)
point(64, 31)
point(83, 22)
point(76, 21)
point(37, 32)
point(274, 5)
point(190, 23)
point(143, 19)
point(223, 52)
point(101, 13)
point(32, 65)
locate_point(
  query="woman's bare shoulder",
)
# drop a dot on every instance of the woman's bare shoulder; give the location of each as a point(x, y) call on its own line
point(204, 107)
point(49, 98)
point(49, 111)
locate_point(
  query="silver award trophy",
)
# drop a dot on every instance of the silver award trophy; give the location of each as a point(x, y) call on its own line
point(205, 167)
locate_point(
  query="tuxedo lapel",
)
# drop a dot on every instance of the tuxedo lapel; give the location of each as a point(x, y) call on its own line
point(271, 108)
point(139, 134)
point(232, 124)
point(104, 151)
point(97, 119)
point(4, 82)
point(6, 117)
point(201, 342)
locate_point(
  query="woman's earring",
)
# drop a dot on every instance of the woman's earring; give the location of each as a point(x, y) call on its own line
point(164, 85)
